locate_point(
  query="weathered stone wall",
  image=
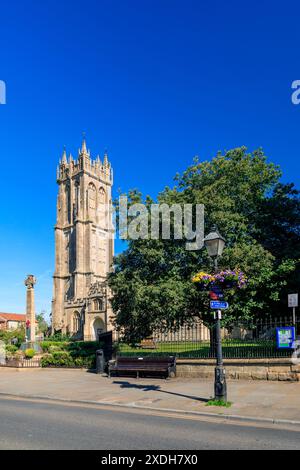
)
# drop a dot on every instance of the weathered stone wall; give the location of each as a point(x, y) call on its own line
point(83, 245)
point(245, 369)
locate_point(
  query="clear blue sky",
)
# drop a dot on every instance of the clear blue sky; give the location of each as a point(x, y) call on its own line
point(155, 82)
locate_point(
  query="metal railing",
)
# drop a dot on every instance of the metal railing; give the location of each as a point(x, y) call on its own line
point(240, 340)
point(23, 363)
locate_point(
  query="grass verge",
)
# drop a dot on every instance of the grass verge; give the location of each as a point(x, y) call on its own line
point(226, 404)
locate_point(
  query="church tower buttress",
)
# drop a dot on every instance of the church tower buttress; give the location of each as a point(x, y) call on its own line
point(83, 245)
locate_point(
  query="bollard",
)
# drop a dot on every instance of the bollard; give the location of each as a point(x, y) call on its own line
point(100, 361)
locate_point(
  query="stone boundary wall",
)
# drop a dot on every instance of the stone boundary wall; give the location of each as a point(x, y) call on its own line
point(245, 369)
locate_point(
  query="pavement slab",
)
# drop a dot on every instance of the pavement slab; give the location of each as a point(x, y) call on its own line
point(256, 399)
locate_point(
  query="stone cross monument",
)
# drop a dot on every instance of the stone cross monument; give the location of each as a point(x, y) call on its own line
point(30, 281)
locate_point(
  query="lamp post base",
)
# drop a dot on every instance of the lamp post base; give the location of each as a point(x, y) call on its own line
point(220, 384)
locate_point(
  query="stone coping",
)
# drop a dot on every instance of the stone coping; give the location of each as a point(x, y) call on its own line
point(206, 362)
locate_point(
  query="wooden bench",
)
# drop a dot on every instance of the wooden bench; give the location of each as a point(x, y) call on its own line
point(144, 366)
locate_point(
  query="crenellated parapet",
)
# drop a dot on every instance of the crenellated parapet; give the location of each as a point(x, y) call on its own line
point(70, 167)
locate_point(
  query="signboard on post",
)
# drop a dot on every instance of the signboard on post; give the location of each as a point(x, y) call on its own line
point(293, 303)
point(217, 305)
point(216, 293)
point(293, 300)
point(285, 337)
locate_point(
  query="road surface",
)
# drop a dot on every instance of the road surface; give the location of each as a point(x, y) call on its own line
point(34, 424)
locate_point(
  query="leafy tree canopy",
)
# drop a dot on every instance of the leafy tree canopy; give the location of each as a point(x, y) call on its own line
point(259, 217)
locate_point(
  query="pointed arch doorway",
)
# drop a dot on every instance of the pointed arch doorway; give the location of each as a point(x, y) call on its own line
point(98, 327)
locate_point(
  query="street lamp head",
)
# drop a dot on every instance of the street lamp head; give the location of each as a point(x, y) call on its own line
point(214, 243)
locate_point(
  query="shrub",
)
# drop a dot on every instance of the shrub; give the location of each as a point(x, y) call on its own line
point(64, 359)
point(77, 348)
point(29, 353)
point(18, 355)
point(61, 354)
point(69, 354)
point(58, 337)
point(53, 348)
point(84, 348)
point(53, 345)
point(10, 348)
point(7, 336)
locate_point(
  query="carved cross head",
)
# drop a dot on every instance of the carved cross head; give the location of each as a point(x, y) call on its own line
point(30, 281)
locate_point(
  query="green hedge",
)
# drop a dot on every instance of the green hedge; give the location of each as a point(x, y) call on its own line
point(77, 347)
point(70, 354)
point(58, 337)
point(64, 359)
point(46, 345)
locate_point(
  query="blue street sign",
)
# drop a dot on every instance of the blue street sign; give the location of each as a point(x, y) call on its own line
point(216, 305)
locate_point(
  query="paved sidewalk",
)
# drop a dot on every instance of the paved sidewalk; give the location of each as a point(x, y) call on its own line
point(257, 399)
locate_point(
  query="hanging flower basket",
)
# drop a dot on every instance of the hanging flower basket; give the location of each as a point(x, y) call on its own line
point(204, 281)
point(229, 279)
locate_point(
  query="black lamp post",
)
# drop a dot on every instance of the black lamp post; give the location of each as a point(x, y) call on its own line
point(214, 243)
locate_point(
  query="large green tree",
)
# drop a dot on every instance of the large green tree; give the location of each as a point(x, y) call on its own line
point(259, 217)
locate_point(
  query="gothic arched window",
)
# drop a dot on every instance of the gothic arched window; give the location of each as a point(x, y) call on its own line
point(76, 322)
point(101, 205)
point(77, 198)
point(67, 203)
point(102, 195)
point(92, 200)
point(98, 304)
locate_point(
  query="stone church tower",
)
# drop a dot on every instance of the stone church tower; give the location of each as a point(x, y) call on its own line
point(83, 246)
